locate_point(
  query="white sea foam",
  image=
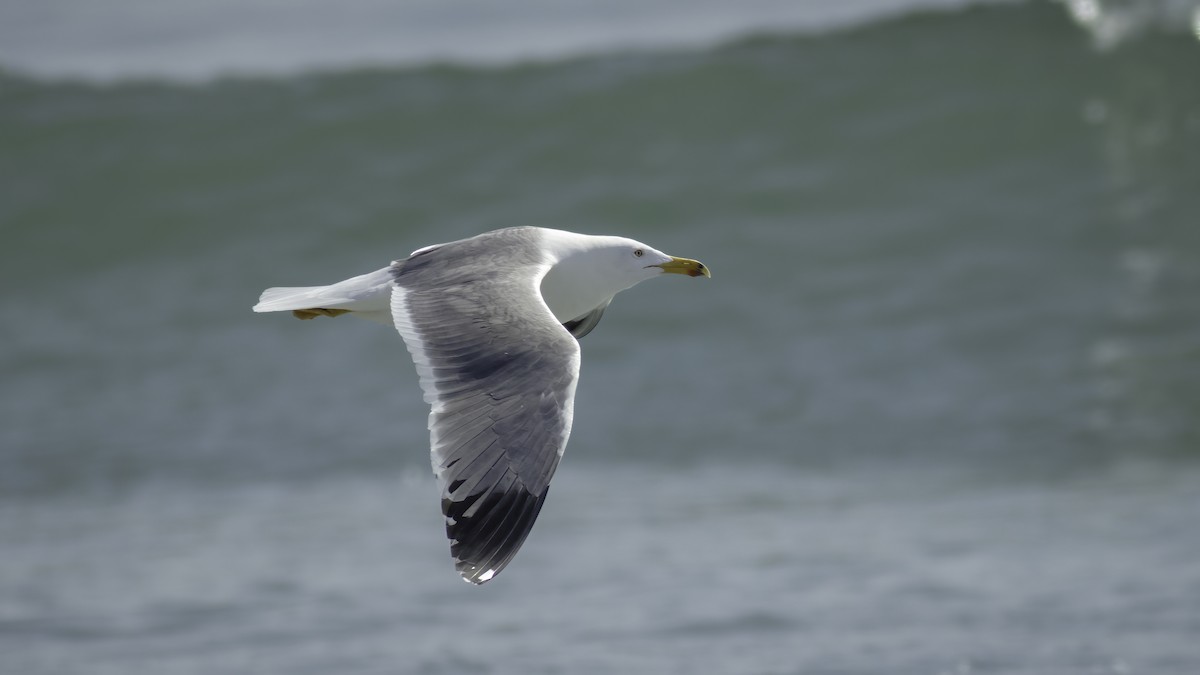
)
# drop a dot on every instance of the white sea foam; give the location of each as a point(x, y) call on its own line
point(1111, 22)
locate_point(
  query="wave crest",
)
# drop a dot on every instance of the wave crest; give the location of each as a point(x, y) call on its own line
point(1113, 22)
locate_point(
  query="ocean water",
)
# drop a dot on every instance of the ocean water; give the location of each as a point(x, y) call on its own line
point(935, 412)
point(200, 41)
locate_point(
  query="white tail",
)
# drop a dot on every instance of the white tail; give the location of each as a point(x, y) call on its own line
point(297, 297)
point(367, 295)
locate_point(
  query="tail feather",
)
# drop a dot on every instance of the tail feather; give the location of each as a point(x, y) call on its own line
point(368, 295)
point(283, 298)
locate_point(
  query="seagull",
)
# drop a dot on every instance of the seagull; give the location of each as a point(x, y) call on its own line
point(492, 323)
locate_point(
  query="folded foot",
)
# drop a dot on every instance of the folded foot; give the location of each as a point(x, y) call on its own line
point(306, 314)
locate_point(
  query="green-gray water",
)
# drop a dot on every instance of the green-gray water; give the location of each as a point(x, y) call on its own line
point(937, 410)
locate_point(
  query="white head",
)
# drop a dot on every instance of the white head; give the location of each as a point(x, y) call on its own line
point(632, 261)
point(589, 270)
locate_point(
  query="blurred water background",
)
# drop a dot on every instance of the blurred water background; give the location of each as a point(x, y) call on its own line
point(936, 412)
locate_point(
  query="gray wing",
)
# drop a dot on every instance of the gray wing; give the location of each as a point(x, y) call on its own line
point(584, 324)
point(499, 372)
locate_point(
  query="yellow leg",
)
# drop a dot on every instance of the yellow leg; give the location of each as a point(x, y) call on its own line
point(306, 314)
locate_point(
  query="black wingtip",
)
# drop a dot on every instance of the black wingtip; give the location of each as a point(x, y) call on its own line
point(483, 543)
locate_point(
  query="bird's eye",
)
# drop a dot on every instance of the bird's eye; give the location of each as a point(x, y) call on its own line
point(637, 252)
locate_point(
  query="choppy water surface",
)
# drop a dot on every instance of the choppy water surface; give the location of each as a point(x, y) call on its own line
point(936, 412)
point(716, 569)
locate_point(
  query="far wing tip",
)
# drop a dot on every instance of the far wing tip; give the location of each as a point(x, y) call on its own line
point(471, 577)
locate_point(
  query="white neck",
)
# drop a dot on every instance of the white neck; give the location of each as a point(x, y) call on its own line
point(572, 287)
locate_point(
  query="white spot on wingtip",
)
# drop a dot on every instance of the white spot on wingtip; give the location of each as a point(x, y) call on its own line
point(487, 576)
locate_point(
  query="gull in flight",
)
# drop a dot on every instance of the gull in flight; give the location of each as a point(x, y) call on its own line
point(492, 323)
